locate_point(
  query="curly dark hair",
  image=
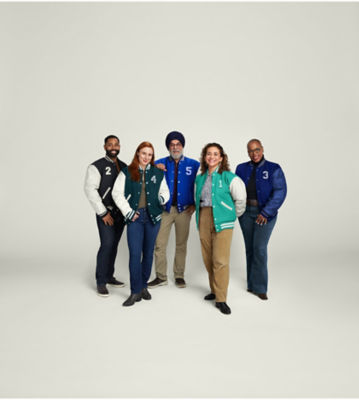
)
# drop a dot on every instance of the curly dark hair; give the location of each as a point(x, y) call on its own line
point(223, 166)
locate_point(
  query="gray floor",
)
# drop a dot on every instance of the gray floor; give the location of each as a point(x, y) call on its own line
point(58, 339)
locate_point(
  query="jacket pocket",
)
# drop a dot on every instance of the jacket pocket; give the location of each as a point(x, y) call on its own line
point(226, 205)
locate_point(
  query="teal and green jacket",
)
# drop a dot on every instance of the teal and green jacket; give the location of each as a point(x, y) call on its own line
point(126, 193)
point(228, 198)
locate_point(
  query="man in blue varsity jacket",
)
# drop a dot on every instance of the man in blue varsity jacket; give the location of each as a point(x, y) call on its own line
point(180, 173)
point(100, 178)
point(266, 191)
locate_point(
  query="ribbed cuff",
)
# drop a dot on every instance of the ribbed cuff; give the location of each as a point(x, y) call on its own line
point(130, 215)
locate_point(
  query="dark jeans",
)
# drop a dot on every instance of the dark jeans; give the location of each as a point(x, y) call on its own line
point(109, 237)
point(256, 238)
point(141, 238)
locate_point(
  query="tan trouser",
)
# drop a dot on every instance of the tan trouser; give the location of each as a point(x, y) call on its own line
point(215, 248)
point(182, 222)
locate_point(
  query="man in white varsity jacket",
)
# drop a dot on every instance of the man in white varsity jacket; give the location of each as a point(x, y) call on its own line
point(100, 178)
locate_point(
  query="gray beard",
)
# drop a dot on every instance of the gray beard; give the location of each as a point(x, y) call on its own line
point(176, 157)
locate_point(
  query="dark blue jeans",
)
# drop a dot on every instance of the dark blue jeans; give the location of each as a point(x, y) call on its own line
point(109, 237)
point(256, 238)
point(141, 238)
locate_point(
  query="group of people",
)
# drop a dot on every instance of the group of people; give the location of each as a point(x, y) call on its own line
point(150, 195)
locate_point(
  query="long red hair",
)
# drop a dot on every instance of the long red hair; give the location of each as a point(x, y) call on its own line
point(133, 168)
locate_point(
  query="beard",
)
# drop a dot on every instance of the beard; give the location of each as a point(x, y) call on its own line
point(112, 153)
point(176, 156)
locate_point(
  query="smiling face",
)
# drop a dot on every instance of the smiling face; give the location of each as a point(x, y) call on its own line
point(213, 157)
point(145, 156)
point(112, 147)
point(176, 149)
point(255, 151)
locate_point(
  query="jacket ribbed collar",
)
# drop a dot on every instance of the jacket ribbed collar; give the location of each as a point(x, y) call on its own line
point(258, 165)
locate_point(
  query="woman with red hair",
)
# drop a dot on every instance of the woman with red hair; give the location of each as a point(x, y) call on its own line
point(140, 191)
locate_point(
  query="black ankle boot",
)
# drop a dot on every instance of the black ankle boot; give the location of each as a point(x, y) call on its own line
point(223, 308)
point(210, 296)
point(145, 294)
point(132, 299)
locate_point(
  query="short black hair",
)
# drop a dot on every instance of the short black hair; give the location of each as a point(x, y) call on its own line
point(111, 137)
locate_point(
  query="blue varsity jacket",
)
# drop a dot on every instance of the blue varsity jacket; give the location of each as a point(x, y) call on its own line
point(270, 184)
point(187, 171)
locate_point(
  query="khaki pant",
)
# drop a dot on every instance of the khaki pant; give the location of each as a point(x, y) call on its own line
point(182, 222)
point(215, 248)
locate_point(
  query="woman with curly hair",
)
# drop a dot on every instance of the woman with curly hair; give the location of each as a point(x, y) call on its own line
point(140, 191)
point(220, 199)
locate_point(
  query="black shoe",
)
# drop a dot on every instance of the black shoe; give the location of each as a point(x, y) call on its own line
point(146, 294)
point(114, 282)
point(210, 296)
point(180, 283)
point(132, 299)
point(223, 308)
point(102, 291)
point(157, 282)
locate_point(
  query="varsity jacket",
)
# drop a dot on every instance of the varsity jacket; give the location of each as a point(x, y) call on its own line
point(126, 193)
point(99, 181)
point(187, 171)
point(270, 184)
point(228, 198)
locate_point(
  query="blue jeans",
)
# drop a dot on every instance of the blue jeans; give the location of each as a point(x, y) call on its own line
point(141, 238)
point(256, 238)
point(109, 237)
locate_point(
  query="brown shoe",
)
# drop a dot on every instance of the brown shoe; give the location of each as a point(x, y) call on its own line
point(262, 296)
point(156, 282)
point(180, 283)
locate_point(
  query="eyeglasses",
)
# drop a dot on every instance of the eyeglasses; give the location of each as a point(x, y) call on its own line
point(176, 145)
point(257, 150)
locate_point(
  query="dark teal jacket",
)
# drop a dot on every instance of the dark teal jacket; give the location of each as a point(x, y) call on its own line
point(126, 193)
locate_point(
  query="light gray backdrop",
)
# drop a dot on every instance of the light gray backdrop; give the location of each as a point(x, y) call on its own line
point(71, 74)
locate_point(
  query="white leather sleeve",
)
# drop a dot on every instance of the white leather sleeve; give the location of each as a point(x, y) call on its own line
point(239, 195)
point(164, 193)
point(118, 195)
point(92, 183)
